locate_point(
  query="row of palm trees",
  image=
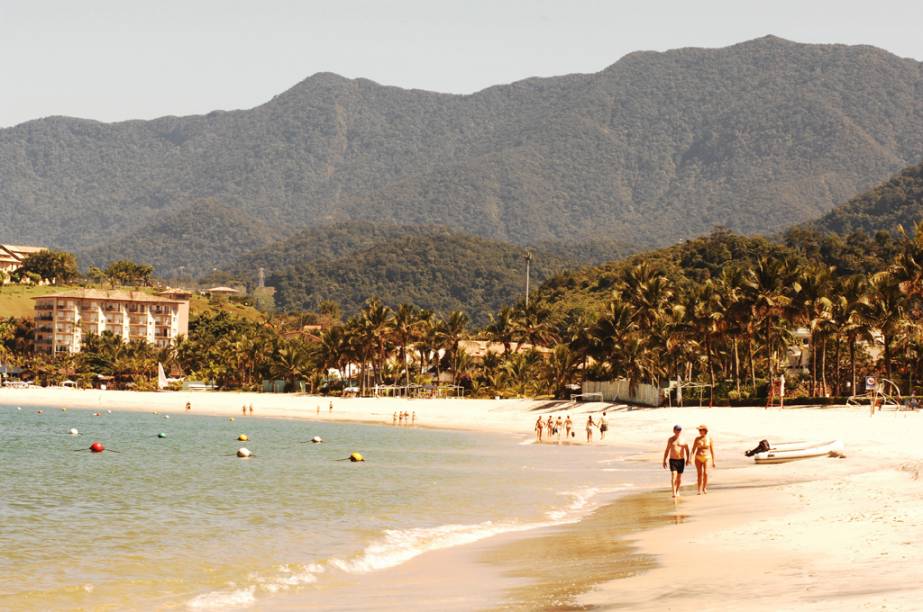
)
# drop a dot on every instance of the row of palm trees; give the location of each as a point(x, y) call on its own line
point(734, 330)
point(739, 327)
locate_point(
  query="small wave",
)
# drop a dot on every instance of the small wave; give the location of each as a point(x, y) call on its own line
point(223, 600)
point(289, 576)
point(401, 545)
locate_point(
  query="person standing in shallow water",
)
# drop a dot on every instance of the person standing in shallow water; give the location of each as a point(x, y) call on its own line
point(603, 427)
point(568, 426)
point(539, 426)
point(677, 452)
point(589, 429)
point(703, 449)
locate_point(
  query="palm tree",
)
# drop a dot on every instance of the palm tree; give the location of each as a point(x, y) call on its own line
point(612, 330)
point(502, 327)
point(533, 325)
point(292, 362)
point(407, 323)
point(378, 320)
point(518, 371)
point(451, 332)
point(769, 286)
point(560, 369)
point(707, 318)
point(812, 306)
point(884, 308)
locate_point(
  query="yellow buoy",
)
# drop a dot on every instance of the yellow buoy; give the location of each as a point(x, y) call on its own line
point(243, 437)
point(354, 457)
point(231, 419)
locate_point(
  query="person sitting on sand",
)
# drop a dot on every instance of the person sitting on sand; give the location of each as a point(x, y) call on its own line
point(703, 449)
point(589, 429)
point(678, 453)
point(539, 426)
point(568, 425)
point(603, 427)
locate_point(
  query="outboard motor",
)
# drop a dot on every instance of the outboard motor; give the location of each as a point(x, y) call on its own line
point(762, 447)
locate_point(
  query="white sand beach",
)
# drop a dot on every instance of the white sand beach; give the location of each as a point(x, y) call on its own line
point(819, 534)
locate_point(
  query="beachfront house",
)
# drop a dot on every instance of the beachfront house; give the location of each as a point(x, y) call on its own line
point(62, 320)
point(12, 256)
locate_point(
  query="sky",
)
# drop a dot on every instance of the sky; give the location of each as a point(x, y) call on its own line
point(113, 60)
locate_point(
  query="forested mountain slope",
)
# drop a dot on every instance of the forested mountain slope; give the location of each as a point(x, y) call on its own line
point(655, 148)
point(432, 267)
point(895, 202)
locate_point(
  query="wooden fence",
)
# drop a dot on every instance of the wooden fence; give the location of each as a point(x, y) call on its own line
point(618, 391)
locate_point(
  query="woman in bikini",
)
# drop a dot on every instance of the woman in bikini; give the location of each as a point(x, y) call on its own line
point(539, 426)
point(703, 449)
point(589, 429)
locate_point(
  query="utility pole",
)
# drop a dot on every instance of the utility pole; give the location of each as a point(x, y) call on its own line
point(528, 258)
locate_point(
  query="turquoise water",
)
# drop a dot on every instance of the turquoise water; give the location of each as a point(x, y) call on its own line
point(182, 522)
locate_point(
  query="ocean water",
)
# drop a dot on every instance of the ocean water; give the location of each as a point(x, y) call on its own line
point(181, 523)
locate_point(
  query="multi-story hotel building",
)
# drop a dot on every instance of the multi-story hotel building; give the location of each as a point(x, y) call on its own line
point(62, 320)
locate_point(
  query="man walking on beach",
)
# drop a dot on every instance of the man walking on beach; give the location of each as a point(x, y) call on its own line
point(677, 452)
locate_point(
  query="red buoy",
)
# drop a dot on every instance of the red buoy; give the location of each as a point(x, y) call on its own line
point(97, 447)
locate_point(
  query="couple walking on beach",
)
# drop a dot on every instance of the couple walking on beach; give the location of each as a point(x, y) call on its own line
point(679, 455)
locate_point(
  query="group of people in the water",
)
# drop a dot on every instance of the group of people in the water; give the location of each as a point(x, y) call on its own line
point(553, 428)
point(404, 418)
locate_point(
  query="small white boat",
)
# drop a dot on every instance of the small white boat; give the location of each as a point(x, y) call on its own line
point(793, 451)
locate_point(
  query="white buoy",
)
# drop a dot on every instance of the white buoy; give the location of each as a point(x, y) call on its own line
point(18, 407)
point(108, 412)
point(243, 452)
point(166, 416)
point(74, 431)
point(317, 439)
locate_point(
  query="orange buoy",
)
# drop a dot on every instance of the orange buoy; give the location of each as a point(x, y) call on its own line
point(97, 447)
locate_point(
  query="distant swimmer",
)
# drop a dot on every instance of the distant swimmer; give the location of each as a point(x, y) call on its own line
point(703, 450)
point(330, 407)
point(677, 452)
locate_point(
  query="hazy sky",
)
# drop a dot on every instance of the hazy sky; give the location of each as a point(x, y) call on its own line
point(121, 59)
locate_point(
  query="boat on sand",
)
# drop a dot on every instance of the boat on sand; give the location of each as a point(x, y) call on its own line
point(794, 451)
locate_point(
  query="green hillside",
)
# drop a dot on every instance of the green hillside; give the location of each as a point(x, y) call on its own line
point(432, 267)
point(656, 148)
point(186, 242)
point(896, 202)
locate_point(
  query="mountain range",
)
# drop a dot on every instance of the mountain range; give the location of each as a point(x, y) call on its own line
point(656, 148)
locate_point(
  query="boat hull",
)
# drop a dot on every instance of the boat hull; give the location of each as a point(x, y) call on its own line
point(784, 455)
